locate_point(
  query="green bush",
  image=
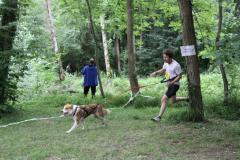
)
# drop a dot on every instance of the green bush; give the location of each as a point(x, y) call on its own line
point(117, 93)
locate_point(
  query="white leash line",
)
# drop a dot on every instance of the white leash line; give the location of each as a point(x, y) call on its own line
point(115, 108)
point(36, 119)
point(33, 119)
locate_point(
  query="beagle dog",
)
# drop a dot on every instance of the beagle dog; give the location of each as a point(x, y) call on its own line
point(81, 112)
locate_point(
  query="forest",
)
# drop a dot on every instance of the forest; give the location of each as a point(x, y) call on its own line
point(146, 56)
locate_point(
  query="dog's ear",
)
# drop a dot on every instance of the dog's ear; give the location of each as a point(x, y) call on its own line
point(68, 106)
point(65, 106)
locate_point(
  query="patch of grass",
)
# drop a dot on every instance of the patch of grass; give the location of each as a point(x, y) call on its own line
point(180, 114)
point(215, 108)
point(130, 134)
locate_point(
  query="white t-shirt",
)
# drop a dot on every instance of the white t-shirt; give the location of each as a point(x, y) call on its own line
point(172, 70)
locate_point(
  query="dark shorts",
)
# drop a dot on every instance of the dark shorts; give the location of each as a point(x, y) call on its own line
point(172, 90)
point(93, 90)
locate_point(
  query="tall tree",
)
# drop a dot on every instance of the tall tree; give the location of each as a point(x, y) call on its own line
point(105, 46)
point(9, 11)
point(192, 64)
point(117, 52)
point(217, 44)
point(96, 47)
point(54, 38)
point(130, 45)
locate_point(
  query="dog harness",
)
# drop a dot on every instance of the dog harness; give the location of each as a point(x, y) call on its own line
point(84, 109)
point(75, 110)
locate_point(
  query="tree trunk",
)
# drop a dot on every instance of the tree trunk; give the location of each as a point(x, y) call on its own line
point(54, 38)
point(9, 15)
point(96, 47)
point(105, 46)
point(117, 52)
point(131, 55)
point(193, 75)
point(217, 43)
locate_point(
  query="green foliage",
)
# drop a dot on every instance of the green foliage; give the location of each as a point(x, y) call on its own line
point(9, 15)
point(212, 89)
point(205, 21)
point(156, 22)
point(149, 56)
point(181, 114)
point(228, 52)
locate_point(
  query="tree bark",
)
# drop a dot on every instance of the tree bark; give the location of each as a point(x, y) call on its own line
point(130, 44)
point(193, 75)
point(96, 47)
point(7, 33)
point(105, 46)
point(54, 38)
point(217, 44)
point(117, 52)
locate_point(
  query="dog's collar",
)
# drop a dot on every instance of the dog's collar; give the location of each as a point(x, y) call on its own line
point(75, 109)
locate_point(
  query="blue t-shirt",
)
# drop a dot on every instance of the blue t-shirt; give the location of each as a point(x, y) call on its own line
point(90, 75)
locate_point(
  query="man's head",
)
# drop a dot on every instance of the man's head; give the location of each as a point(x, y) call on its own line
point(92, 62)
point(167, 55)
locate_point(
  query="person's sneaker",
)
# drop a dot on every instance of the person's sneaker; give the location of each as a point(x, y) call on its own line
point(156, 119)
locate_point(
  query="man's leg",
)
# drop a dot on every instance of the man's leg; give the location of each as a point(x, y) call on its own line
point(93, 90)
point(178, 99)
point(86, 89)
point(171, 91)
point(162, 108)
point(163, 105)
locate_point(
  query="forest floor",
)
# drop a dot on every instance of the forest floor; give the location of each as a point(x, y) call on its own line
point(130, 135)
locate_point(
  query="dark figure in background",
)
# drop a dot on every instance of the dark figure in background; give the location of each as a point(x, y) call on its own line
point(90, 78)
point(71, 68)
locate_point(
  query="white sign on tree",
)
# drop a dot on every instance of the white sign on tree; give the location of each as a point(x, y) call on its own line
point(188, 50)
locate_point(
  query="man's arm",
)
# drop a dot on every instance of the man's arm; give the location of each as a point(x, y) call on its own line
point(176, 79)
point(83, 70)
point(160, 71)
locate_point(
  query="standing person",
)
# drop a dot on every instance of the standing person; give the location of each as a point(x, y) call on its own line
point(172, 71)
point(69, 68)
point(90, 77)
